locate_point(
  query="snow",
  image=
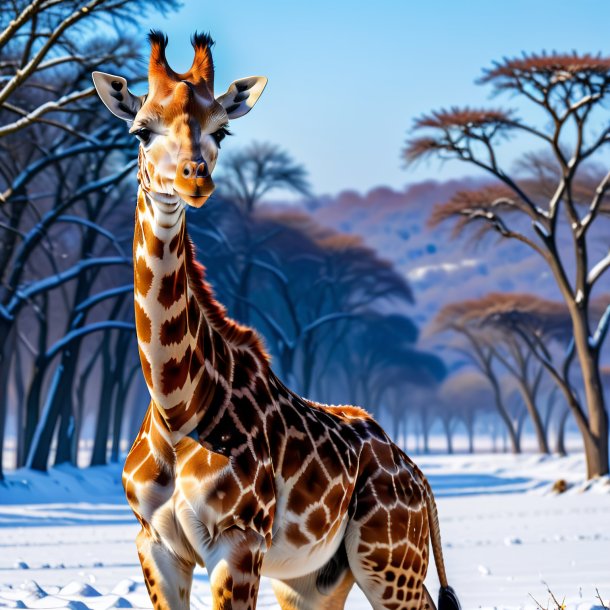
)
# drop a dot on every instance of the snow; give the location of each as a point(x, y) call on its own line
point(67, 538)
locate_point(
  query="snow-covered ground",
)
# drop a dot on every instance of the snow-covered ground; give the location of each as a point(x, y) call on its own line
point(67, 538)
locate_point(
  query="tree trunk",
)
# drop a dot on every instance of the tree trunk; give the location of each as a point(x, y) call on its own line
point(596, 443)
point(65, 433)
point(448, 435)
point(515, 442)
point(470, 430)
point(7, 348)
point(100, 443)
point(560, 445)
point(532, 409)
point(425, 434)
point(395, 426)
point(38, 456)
point(20, 402)
point(120, 398)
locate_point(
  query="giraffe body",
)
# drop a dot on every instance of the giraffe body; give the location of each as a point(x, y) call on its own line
point(230, 469)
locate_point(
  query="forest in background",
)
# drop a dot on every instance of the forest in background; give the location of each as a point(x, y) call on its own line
point(342, 322)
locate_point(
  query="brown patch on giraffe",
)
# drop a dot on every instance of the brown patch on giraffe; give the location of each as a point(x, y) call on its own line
point(141, 202)
point(202, 461)
point(317, 522)
point(246, 509)
point(295, 536)
point(375, 529)
point(313, 479)
point(147, 470)
point(180, 414)
point(245, 369)
point(333, 498)
point(194, 315)
point(159, 442)
point(177, 244)
point(197, 363)
point(223, 594)
point(224, 495)
point(296, 449)
point(154, 245)
point(146, 368)
point(244, 561)
point(150, 170)
point(175, 372)
point(143, 276)
point(331, 458)
point(249, 417)
point(399, 527)
point(143, 324)
point(265, 486)
point(130, 494)
point(138, 236)
point(162, 477)
point(173, 330)
point(241, 592)
point(299, 499)
point(138, 453)
point(172, 288)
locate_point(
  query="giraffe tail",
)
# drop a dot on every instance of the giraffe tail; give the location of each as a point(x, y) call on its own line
point(447, 598)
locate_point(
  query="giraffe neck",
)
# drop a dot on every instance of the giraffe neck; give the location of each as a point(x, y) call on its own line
point(169, 322)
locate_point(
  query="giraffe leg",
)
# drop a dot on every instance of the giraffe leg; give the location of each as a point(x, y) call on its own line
point(168, 578)
point(304, 594)
point(233, 564)
point(387, 546)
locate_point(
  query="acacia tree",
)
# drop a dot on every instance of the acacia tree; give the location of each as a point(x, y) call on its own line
point(568, 89)
point(518, 322)
point(539, 325)
point(479, 351)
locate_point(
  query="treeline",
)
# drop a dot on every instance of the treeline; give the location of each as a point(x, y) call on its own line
point(66, 193)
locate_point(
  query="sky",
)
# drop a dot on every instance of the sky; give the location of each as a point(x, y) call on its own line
point(347, 78)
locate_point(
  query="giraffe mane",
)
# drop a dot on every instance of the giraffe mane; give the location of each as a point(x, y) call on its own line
point(234, 334)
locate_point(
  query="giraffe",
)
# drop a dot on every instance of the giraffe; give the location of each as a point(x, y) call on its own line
point(231, 470)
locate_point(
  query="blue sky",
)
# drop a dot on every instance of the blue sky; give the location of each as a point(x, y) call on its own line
point(346, 79)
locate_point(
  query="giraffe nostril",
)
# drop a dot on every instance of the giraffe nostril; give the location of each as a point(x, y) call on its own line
point(202, 170)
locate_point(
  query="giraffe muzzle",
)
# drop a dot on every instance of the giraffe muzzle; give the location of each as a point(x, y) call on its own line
point(193, 182)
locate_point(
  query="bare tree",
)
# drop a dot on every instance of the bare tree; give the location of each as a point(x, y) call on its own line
point(479, 351)
point(568, 89)
point(248, 175)
point(60, 180)
point(464, 395)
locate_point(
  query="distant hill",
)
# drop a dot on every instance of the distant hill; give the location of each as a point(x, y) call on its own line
point(440, 269)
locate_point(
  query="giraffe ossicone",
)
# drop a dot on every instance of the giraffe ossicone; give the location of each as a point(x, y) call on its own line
point(230, 469)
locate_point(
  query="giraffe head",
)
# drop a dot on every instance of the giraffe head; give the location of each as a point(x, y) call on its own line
point(179, 122)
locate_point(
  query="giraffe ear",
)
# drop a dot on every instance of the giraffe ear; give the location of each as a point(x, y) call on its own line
point(242, 95)
point(116, 96)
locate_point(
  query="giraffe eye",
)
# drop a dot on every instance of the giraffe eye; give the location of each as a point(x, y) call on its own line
point(220, 135)
point(143, 135)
